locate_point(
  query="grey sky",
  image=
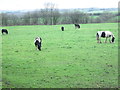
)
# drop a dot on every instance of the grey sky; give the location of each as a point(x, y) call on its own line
point(37, 4)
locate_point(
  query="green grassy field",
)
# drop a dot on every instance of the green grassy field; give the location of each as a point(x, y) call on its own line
point(69, 59)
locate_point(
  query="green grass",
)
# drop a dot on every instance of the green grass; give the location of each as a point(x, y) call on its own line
point(72, 58)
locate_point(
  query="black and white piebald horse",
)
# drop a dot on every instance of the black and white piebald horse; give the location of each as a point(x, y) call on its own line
point(105, 34)
point(62, 28)
point(38, 42)
point(77, 26)
point(4, 31)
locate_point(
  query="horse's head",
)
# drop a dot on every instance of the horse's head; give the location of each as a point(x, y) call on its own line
point(113, 39)
point(97, 36)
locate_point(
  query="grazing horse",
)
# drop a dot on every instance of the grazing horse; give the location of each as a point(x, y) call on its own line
point(62, 28)
point(77, 26)
point(105, 34)
point(38, 42)
point(4, 31)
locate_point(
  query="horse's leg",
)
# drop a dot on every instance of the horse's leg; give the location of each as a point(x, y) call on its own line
point(36, 47)
point(100, 40)
point(106, 40)
point(109, 40)
point(2, 32)
point(97, 40)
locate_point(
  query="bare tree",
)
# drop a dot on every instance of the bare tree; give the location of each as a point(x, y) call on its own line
point(78, 17)
point(65, 18)
point(50, 14)
point(35, 15)
point(0, 19)
point(55, 17)
point(4, 19)
point(26, 18)
point(45, 16)
point(13, 19)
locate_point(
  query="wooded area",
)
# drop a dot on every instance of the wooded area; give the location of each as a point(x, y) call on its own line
point(50, 15)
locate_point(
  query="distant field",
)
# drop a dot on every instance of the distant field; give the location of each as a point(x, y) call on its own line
point(68, 59)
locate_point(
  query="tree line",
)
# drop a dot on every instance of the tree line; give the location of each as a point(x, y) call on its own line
point(50, 15)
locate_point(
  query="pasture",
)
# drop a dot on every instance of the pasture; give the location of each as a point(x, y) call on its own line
point(69, 59)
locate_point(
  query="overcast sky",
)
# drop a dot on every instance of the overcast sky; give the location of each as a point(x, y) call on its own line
point(38, 4)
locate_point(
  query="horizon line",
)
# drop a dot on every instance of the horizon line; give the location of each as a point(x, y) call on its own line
point(60, 8)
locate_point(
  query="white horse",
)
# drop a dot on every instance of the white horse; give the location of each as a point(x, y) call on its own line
point(105, 34)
